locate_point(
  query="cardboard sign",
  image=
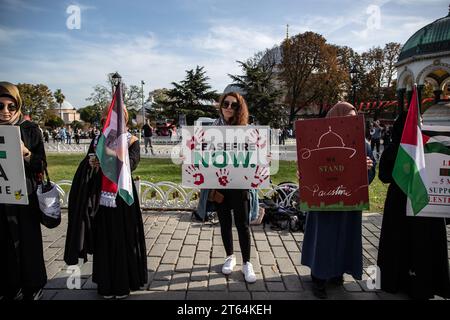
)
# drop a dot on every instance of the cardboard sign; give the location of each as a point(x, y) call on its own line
point(13, 187)
point(437, 166)
point(226, 157)
point(332, 164)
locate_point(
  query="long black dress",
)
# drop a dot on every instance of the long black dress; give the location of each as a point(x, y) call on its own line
point(22, 263)
point(412, 256)
point(115, 236)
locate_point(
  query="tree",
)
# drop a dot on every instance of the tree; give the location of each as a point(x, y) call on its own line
point(101, 98)
point(54, 121)
point(59, 97)
point(192, 96)
point(309, 68)
point(258, 83)
point(158, 101)
point(90, 114)
point(76, 125)
point(37, 98)
point(132, 97)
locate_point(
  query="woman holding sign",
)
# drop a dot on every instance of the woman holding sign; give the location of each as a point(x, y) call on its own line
point(332, 242)
point(22, 267)
point(234, 112)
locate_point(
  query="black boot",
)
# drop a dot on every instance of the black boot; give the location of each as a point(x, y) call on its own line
point(319, 288)
point(337, 281)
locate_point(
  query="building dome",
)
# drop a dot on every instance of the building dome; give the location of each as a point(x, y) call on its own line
point(433, 38)
point(66, 105)
point(438, 114)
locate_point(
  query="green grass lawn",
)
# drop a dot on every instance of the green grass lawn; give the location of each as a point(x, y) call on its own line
point(63, 167)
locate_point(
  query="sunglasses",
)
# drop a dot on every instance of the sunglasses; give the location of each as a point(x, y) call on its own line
point(11, 106)
point(227, 104)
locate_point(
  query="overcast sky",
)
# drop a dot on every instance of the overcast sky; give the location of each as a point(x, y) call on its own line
point(156, 41)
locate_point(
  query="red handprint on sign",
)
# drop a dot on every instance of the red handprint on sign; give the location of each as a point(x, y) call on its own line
point(256, 138)
point(223, 174)
point(261, 175)
point(198, 137)
point(193, 171)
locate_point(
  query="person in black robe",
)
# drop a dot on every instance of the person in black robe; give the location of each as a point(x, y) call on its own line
point(22, 266)
point(412, 256)
point(115, 236)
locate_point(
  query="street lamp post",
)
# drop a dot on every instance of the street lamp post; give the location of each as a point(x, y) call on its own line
point(353, 78)
point(143, 107)
point(116, 80)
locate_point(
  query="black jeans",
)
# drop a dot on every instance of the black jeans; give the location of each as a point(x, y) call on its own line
point(239, 202)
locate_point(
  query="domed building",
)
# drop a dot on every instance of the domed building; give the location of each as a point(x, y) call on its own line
point(68, 113)
point(425, 59)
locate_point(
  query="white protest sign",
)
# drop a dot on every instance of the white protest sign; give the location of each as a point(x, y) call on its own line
point(13, 187)
point(226, 157)
point(437, 165)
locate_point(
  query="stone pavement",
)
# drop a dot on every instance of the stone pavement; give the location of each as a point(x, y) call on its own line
point(185, 260)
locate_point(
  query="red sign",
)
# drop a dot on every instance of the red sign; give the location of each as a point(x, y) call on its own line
point(332, 164)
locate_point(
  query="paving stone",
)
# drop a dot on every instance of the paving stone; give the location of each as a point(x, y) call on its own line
point(280, 252)
point(200, 273)
point(259, 285)
point(175, 245)
point(292, 282)
point(179, 282)
point(275, 286)
point(188, 251)
point(202, 258)
point(158, 250)
point(170, 257)
point(275, 241)
point(218, 252)
point(291, 246)
point(285, 265)
point(266, 259)
point(164, 239)
point(204, 245)
point(194, 230)
point(198, 286)
point(237, 286)
point(164, 273)
point(217, 282)
point(179, 235)
point(159, 285)
point(191, 239)
point(184, 265)
point(262, 246)
point(153, 263)
point(206, 235)
point(271, 274)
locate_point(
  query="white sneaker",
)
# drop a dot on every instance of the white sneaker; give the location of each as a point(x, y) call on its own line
point(248, 272)
point(229, 265)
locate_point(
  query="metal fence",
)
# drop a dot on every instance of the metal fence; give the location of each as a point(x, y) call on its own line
point(170, 196)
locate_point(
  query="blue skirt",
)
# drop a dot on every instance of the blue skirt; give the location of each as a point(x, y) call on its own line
point(332, 244)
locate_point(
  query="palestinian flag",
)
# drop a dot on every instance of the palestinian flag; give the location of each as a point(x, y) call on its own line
point(112, 152)
point(436, 139)
point(409, 169)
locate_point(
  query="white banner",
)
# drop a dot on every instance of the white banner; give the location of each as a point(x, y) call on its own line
point(437, 163)
point(226, 157)
point(13, 187)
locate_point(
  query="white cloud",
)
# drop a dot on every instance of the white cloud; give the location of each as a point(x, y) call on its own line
point(80, 65)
